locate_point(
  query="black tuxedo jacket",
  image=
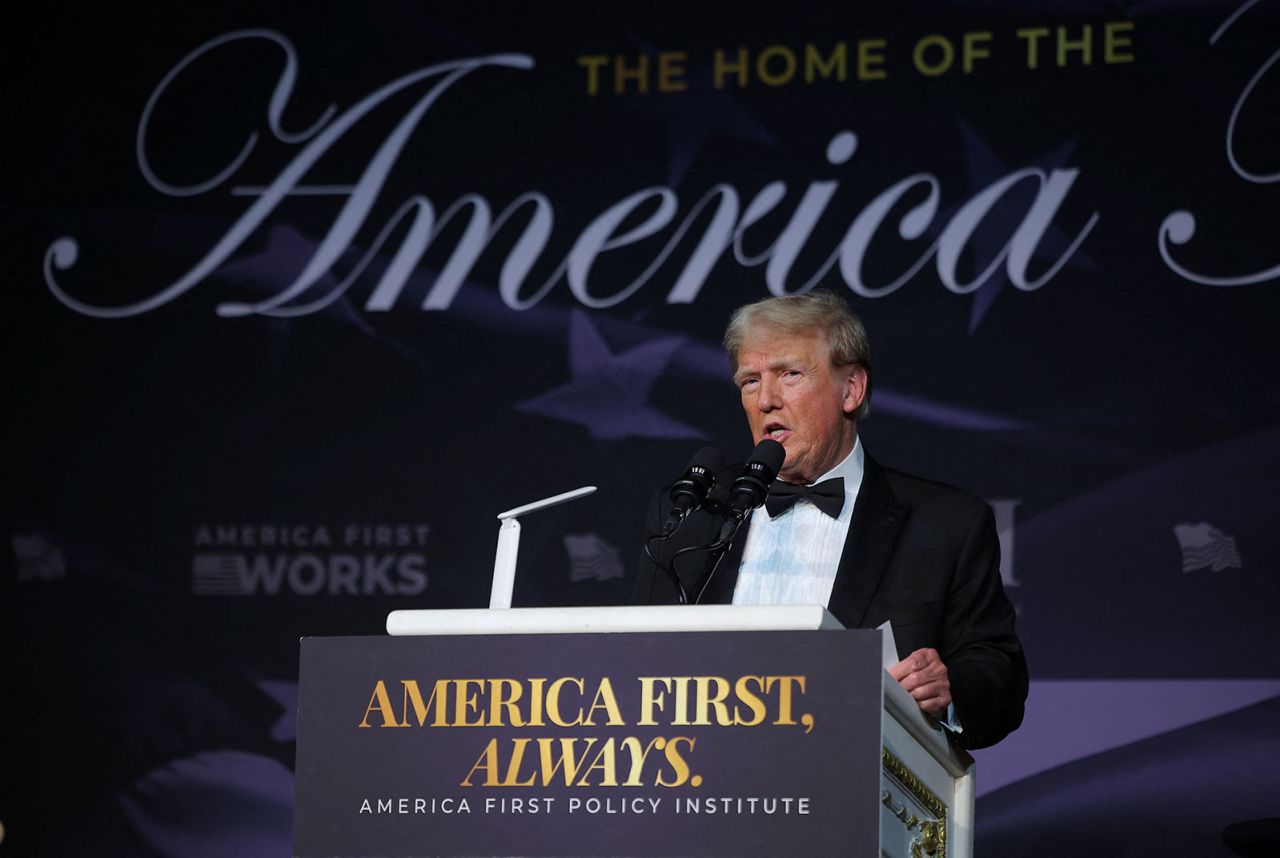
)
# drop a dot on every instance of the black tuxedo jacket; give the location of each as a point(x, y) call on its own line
point(920, 554)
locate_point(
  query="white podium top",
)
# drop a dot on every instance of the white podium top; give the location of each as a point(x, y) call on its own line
point(631, 618)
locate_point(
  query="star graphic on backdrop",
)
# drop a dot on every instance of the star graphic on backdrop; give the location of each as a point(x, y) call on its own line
point(983, 167)
point(286, 694)
point(608, 393)
point(695, 114)
point(269, 270)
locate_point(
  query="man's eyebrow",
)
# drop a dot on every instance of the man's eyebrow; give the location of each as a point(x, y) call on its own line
point(785, 362)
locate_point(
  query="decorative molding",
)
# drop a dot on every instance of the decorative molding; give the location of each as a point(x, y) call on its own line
point(932, 840)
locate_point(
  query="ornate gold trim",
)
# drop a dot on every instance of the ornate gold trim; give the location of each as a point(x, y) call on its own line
point(933, 833)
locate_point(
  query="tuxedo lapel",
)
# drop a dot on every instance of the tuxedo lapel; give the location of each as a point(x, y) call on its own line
point(873, 533)
point(720, 588)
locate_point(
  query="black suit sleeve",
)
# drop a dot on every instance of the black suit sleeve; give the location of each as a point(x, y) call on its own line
point(984, 659)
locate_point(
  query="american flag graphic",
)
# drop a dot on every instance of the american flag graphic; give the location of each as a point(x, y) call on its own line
point(219, 575)
point(1206, 547)
point(37, 558)
point(592, 558)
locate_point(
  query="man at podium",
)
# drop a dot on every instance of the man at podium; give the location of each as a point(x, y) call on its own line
point(837, 529)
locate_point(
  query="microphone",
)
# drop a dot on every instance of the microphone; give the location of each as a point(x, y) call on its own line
point(687, 494)
point(752, 487)
point(690, 491)
point(748, 492)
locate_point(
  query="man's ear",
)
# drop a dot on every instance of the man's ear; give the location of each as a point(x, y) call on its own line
point(855, 389)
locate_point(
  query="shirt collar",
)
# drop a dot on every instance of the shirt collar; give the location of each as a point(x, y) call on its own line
point(850, 468)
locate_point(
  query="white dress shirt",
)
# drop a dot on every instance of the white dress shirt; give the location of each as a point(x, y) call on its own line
point(792, 559)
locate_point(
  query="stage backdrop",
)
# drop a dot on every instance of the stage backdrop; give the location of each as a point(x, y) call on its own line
point(299, 297)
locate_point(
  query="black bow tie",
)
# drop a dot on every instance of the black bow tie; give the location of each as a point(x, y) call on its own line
point(827, 496)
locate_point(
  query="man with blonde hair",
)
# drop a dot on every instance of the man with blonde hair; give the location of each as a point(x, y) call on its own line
point(869, 543)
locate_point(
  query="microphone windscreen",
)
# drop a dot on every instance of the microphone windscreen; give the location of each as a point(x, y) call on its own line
point(690, 491)
point(770, 454)
point(708, 458)
point(752, 486)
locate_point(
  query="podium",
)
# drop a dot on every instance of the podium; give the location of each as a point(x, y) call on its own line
point(708, 730)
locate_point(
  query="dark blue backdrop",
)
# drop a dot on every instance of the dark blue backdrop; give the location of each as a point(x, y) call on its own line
point(300, 298)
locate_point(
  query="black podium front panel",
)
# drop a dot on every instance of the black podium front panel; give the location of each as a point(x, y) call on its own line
point(689, 744)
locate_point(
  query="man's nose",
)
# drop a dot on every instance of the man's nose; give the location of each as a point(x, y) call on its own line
point(770, 398)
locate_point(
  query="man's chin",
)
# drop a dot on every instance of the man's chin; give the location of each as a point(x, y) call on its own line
point(791, 475)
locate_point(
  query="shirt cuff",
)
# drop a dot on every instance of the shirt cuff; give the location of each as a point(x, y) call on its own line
point(952, 721)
